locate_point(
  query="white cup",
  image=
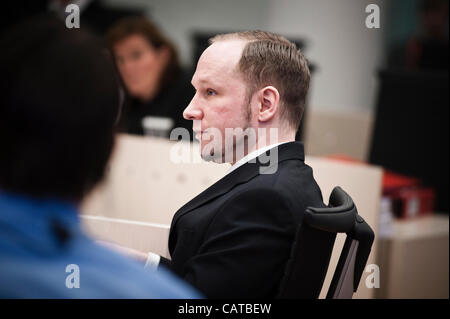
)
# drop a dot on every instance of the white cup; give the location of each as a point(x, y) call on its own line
point(157, 126)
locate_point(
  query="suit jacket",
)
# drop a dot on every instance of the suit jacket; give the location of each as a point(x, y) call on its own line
point(234, 239)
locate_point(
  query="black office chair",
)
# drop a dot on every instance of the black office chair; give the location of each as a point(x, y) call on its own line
point(313, 245)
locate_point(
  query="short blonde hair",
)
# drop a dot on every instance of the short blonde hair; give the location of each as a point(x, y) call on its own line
point(270, 59)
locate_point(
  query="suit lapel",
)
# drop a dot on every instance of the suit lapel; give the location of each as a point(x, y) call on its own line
point(222, 186)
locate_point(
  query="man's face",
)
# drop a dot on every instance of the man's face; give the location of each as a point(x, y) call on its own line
point(220, 100)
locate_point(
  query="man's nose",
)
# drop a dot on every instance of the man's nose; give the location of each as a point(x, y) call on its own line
point(191, 112)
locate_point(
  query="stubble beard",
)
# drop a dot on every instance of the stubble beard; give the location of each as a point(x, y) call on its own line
point(220, 157)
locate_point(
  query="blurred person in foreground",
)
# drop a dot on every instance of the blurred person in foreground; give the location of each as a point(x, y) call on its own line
point(156, 84)
point(59, 103)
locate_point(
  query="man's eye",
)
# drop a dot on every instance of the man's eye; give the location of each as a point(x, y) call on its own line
point(210, 92)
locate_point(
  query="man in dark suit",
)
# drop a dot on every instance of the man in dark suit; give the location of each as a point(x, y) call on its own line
point(234, 239)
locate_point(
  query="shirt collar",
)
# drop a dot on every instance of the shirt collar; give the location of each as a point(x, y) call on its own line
point(252, 155)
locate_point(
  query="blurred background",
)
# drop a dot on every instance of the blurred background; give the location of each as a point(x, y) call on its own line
point(378, 96)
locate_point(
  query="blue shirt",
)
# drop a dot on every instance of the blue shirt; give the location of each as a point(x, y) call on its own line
point(45, 254)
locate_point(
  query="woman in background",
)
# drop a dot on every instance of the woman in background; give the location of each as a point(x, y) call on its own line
point(156, 84)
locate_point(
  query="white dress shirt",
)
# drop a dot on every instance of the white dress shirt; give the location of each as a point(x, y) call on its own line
point(152, 261)
point(252, 156)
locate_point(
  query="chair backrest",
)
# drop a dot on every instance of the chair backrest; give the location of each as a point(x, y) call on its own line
point(313, 245)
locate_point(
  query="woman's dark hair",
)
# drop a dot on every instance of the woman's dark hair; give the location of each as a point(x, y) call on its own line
point(142, 26)
point(59, 101)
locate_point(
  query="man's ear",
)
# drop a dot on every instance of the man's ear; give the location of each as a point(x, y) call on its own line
point(269, 101)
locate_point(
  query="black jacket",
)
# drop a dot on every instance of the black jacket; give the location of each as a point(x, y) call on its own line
point(234, 239)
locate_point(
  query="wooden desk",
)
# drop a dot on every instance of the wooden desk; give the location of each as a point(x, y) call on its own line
point(413, 259)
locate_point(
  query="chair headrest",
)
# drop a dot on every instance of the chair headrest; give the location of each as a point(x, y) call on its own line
point(339, 217)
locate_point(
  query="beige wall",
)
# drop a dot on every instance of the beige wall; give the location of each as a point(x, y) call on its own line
point(332, 132)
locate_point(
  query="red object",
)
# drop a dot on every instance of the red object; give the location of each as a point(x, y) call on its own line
point(412, 202)
point(408, 197)
point(345, 158)
point(393, 181)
